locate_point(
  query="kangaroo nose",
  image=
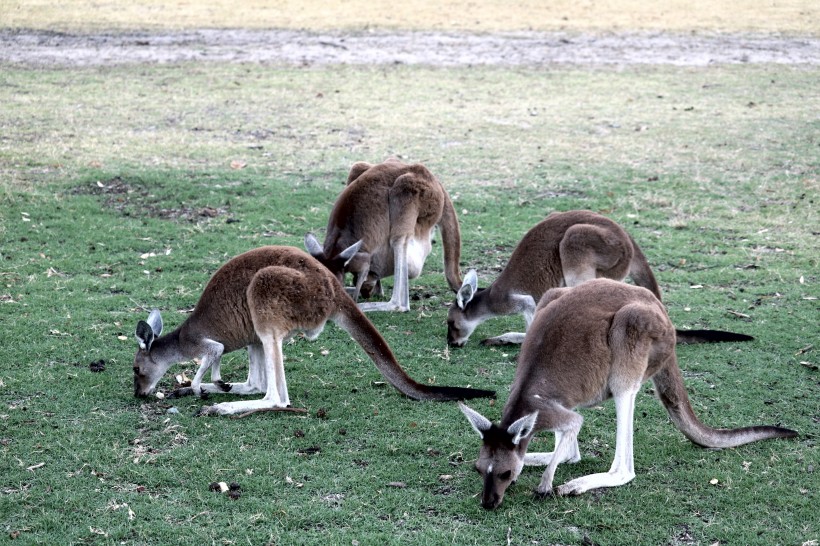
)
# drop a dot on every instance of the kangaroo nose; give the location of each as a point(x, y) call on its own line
point(490, 502)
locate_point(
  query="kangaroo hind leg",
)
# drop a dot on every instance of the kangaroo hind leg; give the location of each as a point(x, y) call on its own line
point(276, 390)
point(281, 300)
point(632, 337)
point(415, 206)
point(623, 467)
point(400, 298)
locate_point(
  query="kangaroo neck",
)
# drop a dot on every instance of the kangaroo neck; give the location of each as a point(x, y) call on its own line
point(515, 408)
point(169, 348)
point(494, 301)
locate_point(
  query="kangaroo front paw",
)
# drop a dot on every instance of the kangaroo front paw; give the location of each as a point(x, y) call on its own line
point(180, 392)
point(225, 387)
point(547, 494)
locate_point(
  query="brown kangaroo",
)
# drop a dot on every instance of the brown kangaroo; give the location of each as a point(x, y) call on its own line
point(258, 300)
point(389, 210)
point(565, 249)
point(586, 344)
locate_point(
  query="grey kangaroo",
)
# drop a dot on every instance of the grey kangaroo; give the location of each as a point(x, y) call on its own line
point(586, 344)
point(258, 300)
point(565, 249)
point(382, 225)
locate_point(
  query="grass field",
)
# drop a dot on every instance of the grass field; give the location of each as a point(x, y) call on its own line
point(124, 188)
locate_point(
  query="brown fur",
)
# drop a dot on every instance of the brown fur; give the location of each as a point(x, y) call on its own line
point(596, 341)
point(392, 208)
point(565, 249)
point(257, 300)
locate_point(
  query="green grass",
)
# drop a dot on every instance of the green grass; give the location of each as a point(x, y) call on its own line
point(714, 171)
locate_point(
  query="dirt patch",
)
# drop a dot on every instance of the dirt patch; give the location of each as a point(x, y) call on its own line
point(126, 196)
point(43, 48)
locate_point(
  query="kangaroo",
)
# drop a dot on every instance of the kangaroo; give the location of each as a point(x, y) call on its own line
point(565, 249)
point(586, 344)
point(389, 210)
point(258, 300)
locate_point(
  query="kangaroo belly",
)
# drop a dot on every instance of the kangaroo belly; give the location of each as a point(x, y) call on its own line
point(417, 252)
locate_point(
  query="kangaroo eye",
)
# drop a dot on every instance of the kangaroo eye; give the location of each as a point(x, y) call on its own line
point(505, 475)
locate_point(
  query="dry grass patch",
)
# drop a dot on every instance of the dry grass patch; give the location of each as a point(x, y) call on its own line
point(793, 16)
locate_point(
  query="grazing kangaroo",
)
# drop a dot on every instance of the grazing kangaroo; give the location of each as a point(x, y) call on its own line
point(586, 344)
point(258, 300)
point(389, 210)
point(565, 249)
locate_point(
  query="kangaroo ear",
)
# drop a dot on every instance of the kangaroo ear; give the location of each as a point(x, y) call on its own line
point(480, 423)
point(522, 427)
point(350, 252)
point(145, 335)
point(313, 247)
point(467, 290)
point(155, 322)
point(148, 330)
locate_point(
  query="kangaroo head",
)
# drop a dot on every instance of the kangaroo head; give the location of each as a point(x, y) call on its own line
point(460, 323)
point(147, 370)
point(502, 453)
point(370, 287)
point(349, 259)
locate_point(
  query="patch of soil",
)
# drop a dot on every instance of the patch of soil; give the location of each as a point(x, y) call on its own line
point(45, 48)
point(124, 196)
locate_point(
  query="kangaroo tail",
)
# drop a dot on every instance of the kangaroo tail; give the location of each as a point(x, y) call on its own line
point(640, 271)
point(672, 394)
point(352, 320)
point(451, 241)
point(708, 336)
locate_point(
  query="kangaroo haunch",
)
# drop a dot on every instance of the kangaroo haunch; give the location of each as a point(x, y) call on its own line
point(258, 300)
point(382, 225)
point(565, 249)
point(586, 344)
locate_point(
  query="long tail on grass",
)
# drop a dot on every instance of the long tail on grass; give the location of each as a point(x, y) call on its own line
point(351, 319)
point(672, 394)
point(685, 337)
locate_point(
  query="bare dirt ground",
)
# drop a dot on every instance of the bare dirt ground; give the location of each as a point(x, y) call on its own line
point(294, 47)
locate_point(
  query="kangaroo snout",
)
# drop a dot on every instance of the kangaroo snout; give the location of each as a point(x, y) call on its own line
point(139, 390)
point(490, 501)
